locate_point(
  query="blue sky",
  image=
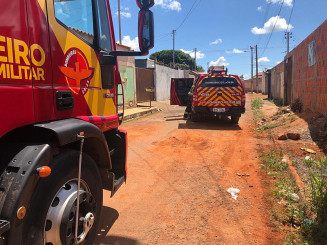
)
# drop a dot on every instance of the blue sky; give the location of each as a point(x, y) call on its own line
point(223, 30)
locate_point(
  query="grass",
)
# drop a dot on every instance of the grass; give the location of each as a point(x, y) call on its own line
point(306, 220)
point(259, 114)
point(270, 126)
point(289, 212)
point(257, 103)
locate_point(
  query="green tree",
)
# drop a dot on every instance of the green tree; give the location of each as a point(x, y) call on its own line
point(242, 77)
point(199, 69)
point(182, 60)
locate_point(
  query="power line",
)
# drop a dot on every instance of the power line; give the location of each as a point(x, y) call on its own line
point(264, 20)
point(188, 14)
point(280, 10)
point(163, 36)
point(289, 20)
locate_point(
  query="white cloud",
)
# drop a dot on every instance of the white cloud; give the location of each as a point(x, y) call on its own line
point(219, 40)
point(246, 76)
point(169, 4)
point(235, 51)
point(125, 14)
point(220, 62)
point(263, 59)
point(278, 62)
point(288, 3)
point(199, 54)
point(279, 23)
point(260, 8)
point(133, 43)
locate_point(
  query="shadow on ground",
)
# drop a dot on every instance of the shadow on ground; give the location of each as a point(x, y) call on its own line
point(210, 124)
point(318, 128)
point(108, 218)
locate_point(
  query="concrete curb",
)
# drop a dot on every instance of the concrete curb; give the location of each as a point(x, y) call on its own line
point(142, 113)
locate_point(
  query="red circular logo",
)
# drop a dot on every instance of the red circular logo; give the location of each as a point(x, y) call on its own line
point(77, 71)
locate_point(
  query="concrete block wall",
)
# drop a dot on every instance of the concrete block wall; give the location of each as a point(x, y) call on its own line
point(162, 80)
point(277, 82)
point(310, 82)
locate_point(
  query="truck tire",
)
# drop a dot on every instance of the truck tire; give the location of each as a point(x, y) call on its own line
point(51, 216)
point(235, 119)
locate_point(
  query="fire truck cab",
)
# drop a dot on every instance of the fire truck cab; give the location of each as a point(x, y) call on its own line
point(60, 145)
point(210, 95)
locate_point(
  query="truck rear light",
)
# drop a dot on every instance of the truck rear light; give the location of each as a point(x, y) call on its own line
point(243, 99)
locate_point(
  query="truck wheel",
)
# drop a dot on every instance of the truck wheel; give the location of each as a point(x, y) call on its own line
point(195, 117)
point(235, 119)
point(52, 214)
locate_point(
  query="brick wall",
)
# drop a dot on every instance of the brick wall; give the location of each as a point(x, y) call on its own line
point(310, 82)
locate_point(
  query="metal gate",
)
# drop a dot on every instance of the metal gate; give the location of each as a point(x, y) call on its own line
point(144, 80)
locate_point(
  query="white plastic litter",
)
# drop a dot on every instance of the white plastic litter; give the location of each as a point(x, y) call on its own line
point(295, 197)
point(233, 192)
point(308, 158)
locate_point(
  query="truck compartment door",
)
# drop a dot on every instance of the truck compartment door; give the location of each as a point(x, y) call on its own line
point(179, 90)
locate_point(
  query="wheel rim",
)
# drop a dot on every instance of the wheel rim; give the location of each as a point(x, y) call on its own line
point(59, 224)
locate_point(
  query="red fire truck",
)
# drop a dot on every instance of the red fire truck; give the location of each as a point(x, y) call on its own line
point(211, 95)
point(60, 145)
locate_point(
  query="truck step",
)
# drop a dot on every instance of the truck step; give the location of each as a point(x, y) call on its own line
point(117, 184)
point(4, 226)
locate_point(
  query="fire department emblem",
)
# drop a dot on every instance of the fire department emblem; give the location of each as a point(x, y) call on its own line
point(77, 72)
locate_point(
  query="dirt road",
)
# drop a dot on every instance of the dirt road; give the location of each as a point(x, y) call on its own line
point(178, 176)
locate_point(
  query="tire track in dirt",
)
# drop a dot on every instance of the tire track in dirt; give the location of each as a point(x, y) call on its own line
point(176, 188)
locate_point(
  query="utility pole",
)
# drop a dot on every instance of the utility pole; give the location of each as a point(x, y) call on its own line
point(288, 36)
point(251, 69)
point(119, 21)
point(256, 62)
point(195, 59)
point(174, 48)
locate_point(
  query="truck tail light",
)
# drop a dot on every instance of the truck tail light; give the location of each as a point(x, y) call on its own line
point(195, 99)
point(243, 99)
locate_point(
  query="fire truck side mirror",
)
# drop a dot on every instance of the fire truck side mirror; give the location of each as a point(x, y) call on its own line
point(107, 59)
point(146, 30)
point(145, 4)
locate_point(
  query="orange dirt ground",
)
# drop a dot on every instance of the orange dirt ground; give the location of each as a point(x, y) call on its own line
point(178, 176)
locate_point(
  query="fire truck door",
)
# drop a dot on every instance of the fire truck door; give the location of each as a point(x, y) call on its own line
point(41, 61)
point(77, 78)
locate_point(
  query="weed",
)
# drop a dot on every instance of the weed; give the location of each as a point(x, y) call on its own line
point(257, 103)
point(319, 195)
point(290, 213)
point(297, 105)
point(270, 126)
point(258, 114)
point(309, 162)
point(292, 117)
point(284, 119)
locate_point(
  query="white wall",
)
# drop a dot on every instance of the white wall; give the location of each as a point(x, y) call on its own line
point(162, 79)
